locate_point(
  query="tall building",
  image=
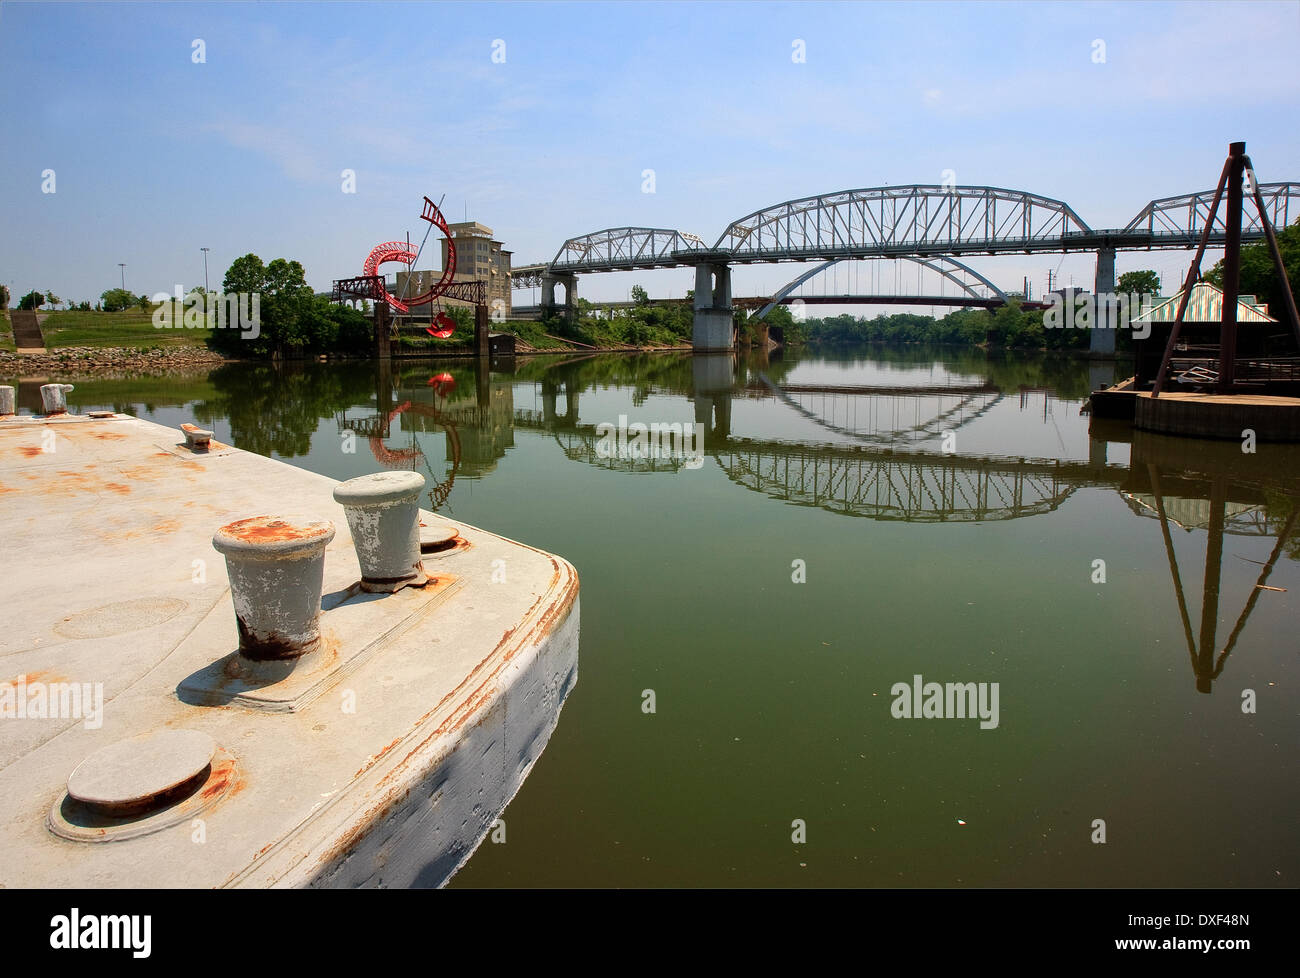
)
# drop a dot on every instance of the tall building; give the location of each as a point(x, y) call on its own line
point(478, 257)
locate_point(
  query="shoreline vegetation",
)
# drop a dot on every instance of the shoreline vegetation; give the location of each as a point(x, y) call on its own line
point(127, 343)
point(122, 337)
point(294, 323)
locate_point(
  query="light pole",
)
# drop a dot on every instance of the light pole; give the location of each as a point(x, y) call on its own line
point(122, 266)
point(205, 269)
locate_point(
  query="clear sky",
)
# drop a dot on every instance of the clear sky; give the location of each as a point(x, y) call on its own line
point(155, 155)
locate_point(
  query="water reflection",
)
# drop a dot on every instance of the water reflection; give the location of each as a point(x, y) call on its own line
point(274, 409)
point(866, 437)
point(1215, 488)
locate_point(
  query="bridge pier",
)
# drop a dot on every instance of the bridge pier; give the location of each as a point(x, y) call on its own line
point(550, 404)
point(714, 321)
point(1101, 341)
point(713, 378)
point(383, 339)
point(570, 282)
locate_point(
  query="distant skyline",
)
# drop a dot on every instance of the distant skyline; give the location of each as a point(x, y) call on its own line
point(540, 119)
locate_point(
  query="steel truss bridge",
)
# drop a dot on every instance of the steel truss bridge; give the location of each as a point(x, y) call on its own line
point(908, 221)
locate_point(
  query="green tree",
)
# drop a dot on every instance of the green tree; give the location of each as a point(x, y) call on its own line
point(4, 297)
point(115, 300)
point(1144, 281)
point(639, 296)
point(290, 319)
point(32, 300)
point(246, 274)
point(143, 302)
point(462, 317)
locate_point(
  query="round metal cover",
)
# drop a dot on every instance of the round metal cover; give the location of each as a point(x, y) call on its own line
point(438, 535)
point(120, 616)
point(138, 772)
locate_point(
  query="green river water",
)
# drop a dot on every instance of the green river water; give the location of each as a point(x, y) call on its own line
point(826, 544)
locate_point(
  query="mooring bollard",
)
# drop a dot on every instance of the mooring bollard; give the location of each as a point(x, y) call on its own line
point(383, 514)
point(275, 568)
point(6, 401)
point(196, 438)
point(54, 397)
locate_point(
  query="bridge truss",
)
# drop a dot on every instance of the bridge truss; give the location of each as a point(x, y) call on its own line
point(913, 220)
point(617, 249)
point(922, 220)
point(1184, 217)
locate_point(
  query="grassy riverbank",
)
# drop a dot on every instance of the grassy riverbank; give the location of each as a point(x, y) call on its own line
point(130, 328)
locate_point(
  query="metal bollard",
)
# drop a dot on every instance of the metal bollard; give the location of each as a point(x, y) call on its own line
point(54, 399)
point(383, 515)
point(275, 568)
point(196, 438)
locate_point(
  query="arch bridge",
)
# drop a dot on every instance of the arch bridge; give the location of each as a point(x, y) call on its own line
point(940, 223)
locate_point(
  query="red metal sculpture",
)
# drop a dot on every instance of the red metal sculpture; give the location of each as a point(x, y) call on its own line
point(370, 285)
point(446, 326)
point(401, 251)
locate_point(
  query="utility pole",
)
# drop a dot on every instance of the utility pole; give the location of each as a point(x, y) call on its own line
point(122, 266)
point(205, 269)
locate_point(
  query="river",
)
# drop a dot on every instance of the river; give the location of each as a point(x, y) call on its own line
point(757, 607)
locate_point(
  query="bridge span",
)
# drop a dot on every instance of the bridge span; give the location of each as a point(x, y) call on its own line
point(924, 223)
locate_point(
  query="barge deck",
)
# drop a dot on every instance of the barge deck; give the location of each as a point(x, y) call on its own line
point(382, 758)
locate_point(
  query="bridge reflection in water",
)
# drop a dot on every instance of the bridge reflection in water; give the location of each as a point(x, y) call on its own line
point(874, 471)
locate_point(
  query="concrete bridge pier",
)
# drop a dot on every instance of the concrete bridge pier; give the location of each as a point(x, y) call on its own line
point(570, 282)
point(713, 378)
point(550, 403)
point(549, 413)
point(714, 319)
point(1101, 342)
point(1097, 452)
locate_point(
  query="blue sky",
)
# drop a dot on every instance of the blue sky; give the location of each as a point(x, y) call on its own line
point(156, 156)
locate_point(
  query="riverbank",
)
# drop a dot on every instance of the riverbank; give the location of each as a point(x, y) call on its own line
point(109, 362)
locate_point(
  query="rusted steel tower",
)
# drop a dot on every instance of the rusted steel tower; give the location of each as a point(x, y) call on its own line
point(1238, 172)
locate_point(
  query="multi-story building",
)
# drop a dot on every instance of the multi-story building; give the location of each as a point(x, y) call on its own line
point(478, 257)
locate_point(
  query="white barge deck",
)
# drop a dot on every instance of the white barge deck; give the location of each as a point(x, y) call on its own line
point(382, 758)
